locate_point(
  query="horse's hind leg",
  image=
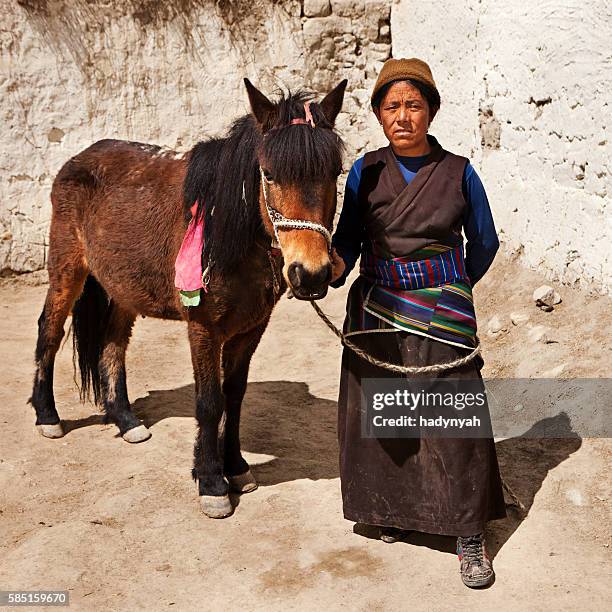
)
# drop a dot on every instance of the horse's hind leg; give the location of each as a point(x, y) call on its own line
point(113, 385)
point(67, 273)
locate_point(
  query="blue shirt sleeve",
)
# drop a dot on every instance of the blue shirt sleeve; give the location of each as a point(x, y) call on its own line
point(482, 242)
point(349, 233)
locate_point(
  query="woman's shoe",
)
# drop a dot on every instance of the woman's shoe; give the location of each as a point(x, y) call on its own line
point(392, 534)
point(476, 568)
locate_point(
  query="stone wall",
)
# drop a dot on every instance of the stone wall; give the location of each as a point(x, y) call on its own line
point(73, 72)
point(524, 96)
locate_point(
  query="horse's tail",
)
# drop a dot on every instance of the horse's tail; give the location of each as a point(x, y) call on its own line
point(89, 320)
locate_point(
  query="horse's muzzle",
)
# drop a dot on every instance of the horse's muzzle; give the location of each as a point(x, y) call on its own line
point(307, 285)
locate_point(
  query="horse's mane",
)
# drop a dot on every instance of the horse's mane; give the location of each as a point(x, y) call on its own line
point(221, 170)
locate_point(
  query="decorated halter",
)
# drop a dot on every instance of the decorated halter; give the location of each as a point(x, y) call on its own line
point(277, 219)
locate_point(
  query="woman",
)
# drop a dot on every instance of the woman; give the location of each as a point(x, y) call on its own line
point(404, 210)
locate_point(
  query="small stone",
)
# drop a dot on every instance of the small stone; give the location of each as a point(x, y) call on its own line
point(554, 372)
point(546, 296)
point(380, 8)
point(518, 318)
point(348, 8)
point(575, 497)
point(317, 8)
point(495, 325)
point(518, 407)
point(543, 293)
point(361, 96)
point(539, 333)
point(55, 135)
point(315, 31)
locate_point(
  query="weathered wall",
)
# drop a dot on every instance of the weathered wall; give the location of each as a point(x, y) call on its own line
point(72, 72)
point(526, 95)
point(525, 92)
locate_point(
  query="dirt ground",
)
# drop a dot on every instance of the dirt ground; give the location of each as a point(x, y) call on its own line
point(119, 526)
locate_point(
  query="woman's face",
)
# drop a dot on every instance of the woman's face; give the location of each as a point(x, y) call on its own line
point(404, 116)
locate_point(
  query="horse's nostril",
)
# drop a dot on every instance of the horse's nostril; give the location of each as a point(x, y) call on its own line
point(295, 272)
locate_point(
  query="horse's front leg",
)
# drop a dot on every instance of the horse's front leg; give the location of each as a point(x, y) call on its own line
point(208, 462)
point(237, 353)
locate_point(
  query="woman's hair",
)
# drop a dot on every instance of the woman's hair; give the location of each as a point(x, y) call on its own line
point(430, 94)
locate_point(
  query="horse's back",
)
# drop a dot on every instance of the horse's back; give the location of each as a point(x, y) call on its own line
point(124, 202)
point(107, 162)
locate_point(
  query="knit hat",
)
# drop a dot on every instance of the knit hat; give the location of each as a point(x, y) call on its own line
point(401, 69)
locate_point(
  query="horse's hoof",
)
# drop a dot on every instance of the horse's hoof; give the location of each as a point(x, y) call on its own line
point(216, 506)
point(51, 431)
point(242, 483)
point(137, 434)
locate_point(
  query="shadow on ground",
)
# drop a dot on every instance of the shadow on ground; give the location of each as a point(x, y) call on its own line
point(279, 418)
point(284, 420)
point(524, 463)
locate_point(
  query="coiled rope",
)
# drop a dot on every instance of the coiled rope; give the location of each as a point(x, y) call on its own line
point(400, 369)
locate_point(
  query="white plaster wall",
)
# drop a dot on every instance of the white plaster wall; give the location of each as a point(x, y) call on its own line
point(85, 72)
point(526, 95)
point(75, 71)
point(80, 71)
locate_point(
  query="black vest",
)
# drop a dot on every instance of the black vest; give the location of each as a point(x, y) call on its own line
point(400, 218)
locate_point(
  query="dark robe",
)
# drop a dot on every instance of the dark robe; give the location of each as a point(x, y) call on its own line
point(436, 485)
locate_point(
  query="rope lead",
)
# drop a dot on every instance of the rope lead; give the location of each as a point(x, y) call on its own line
point(430, 369)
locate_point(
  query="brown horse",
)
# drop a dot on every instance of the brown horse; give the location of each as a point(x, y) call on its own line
point(120, 211)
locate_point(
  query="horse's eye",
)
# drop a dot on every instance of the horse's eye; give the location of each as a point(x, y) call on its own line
point(268, 176)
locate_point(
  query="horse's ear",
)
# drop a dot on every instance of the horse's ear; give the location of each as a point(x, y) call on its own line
point(332, 102)
point(261, 107)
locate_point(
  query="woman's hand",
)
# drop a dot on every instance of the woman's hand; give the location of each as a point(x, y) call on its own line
point(338, 266)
